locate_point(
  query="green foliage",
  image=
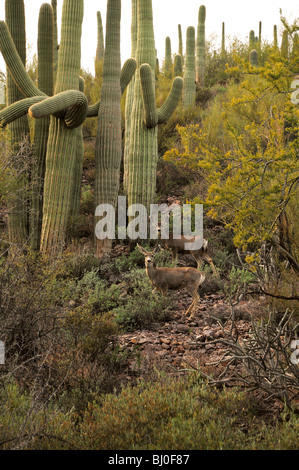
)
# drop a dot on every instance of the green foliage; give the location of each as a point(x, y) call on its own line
point(139, 308)
point(165, 414)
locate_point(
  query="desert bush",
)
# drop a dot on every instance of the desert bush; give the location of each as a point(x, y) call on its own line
point(139, 308)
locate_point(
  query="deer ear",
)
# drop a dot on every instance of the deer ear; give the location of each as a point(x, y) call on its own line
point(141, 249)
point(156, 250)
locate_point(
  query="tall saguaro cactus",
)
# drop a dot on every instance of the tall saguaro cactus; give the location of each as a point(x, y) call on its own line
point(130, 96)
point(200, 46)
point(18, 210)
point(68, 109)
point(145, 117)
point(45, 74)
point(189, 91)
point(109, 136)
point(61, 155)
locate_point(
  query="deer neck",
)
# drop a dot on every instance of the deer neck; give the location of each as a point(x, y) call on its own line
point(150, 271)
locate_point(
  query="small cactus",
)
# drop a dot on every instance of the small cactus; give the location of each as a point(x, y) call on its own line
point(178, 66)
point(253, 58)
point(189, 91)
point(168, 59)
point(285, 45)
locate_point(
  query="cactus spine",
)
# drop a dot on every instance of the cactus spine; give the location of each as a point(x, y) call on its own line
point(143, 151)
point(200, 46)
point(189, 91)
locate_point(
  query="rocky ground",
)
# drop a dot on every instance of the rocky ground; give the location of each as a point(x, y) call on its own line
point(183, 343)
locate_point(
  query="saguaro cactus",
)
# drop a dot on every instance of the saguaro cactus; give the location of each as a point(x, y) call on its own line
point(178, 66)
point(189, 91)
point(68, 109)
point(130, 95)
point(252, 39)
point(100, 45)
point(145, 117)
point(285, 45)
point(54, 6)
point(45, 74)
point(260, 33)
point(223, 50)
point(181, 51)
point(18, 210)
point(109, 136)
point(253, 58)
point(275, 36)
point(200, 46)
point(168, 58)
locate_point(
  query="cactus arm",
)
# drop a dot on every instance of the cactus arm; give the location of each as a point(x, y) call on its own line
point(127, 72)
point(172, 101)
point(15, 64)
point(18, 109)
point(93, 110)
point(148, 95)
point(74, 102)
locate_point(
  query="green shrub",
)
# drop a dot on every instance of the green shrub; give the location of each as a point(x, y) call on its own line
point(140, 307)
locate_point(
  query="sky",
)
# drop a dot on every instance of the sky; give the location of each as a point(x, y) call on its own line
point(239, 16)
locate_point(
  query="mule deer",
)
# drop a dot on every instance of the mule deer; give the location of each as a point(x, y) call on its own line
point(163, 279)
point(178, 245)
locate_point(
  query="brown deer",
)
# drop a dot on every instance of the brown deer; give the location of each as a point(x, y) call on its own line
point(163, 279)
point(178, 245)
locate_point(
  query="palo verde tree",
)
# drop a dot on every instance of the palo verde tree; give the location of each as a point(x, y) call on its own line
point(247, 152)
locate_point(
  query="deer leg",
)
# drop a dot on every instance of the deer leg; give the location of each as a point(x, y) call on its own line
point(154, 292)
point(210, 261)
point(197, 258)
point(194, 304)
point(174, 255)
